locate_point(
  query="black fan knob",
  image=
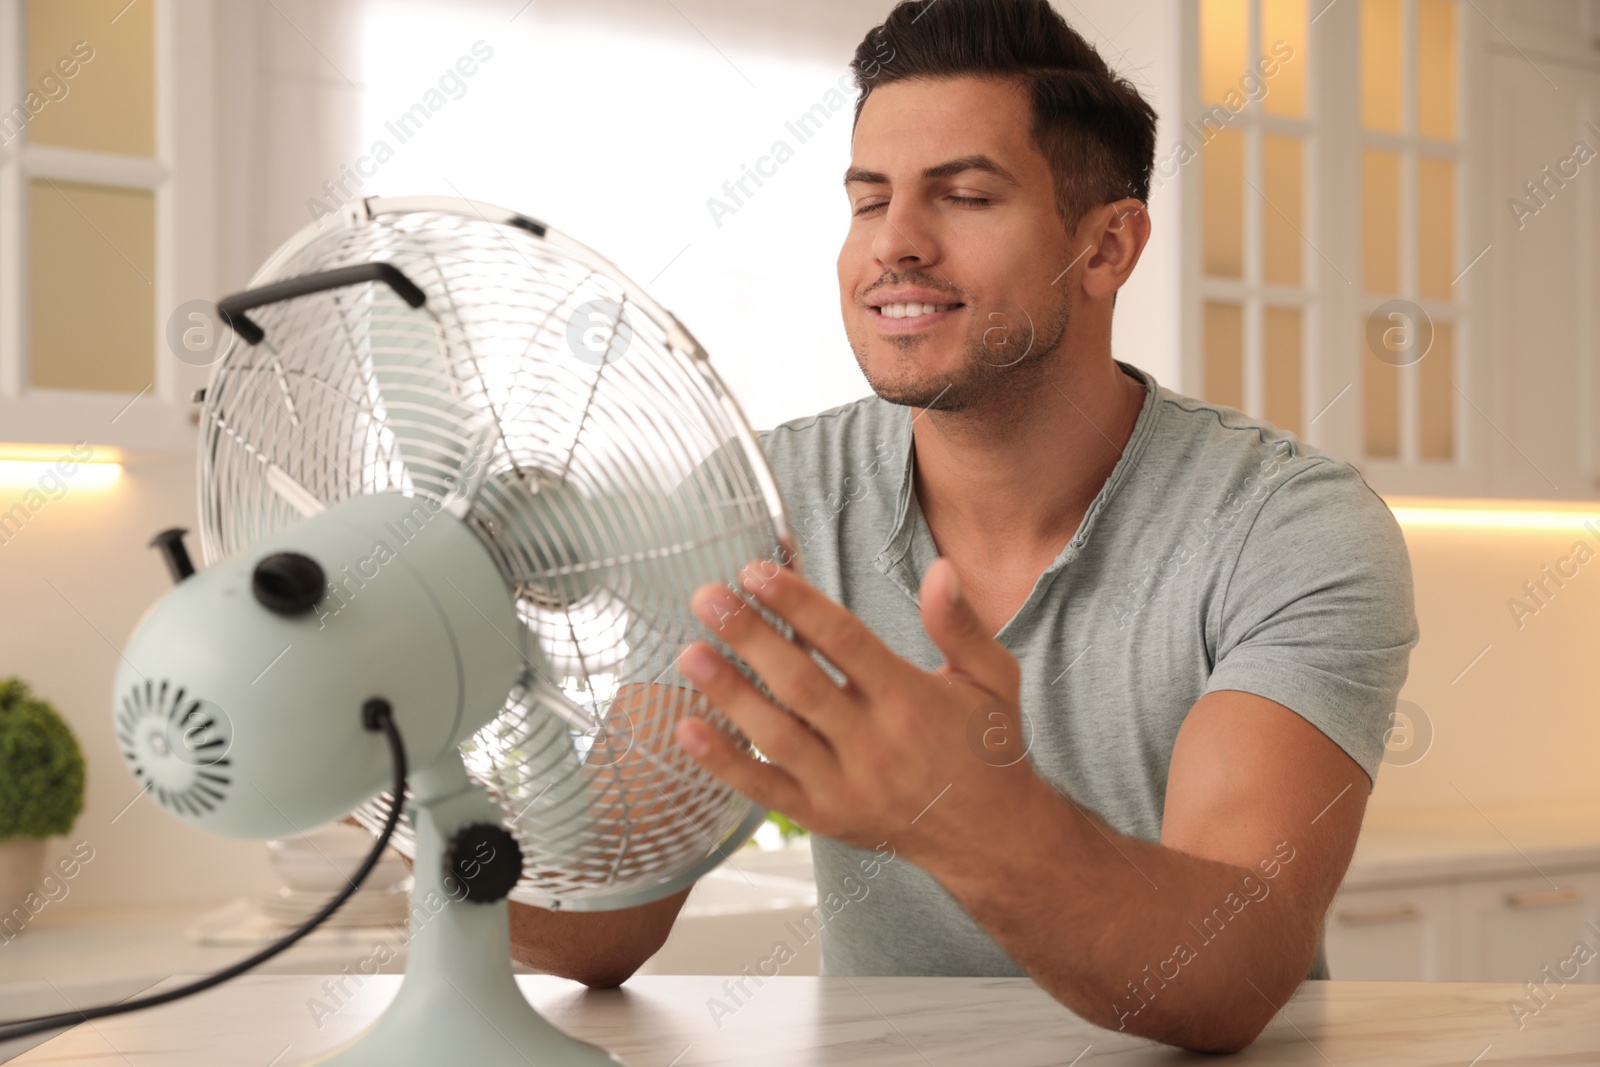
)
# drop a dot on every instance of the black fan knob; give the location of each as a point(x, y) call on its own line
point(288, 583)
point(485, 860)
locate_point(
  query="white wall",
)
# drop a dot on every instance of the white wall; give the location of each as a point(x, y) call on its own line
point(76, 579)
point(1519, 724)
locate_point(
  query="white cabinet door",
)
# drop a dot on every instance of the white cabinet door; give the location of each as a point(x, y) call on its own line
point(1513, 928)
point(1538, 282)
point(1399, 935)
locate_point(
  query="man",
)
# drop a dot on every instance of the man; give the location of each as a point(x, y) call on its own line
point(1107, 669)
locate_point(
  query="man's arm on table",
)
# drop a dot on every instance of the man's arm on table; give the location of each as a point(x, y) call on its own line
point(1318, 614)
point(1198, 940)
point(1195, 941)
point(1262, 808)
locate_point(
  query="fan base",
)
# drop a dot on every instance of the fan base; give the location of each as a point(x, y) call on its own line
point(441, 1026)
point(459, 1002)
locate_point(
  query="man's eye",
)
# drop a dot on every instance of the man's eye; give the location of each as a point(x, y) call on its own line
point(965, 201)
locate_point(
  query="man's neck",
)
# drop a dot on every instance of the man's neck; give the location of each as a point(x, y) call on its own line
point(1018, 487)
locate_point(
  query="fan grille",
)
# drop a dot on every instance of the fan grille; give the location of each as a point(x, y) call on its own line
point(177, 745)
point(609, 475)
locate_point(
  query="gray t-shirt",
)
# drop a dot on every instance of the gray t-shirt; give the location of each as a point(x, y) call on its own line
point(1221, 553)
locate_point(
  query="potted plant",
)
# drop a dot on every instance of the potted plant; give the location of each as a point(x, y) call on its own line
point(41, 788)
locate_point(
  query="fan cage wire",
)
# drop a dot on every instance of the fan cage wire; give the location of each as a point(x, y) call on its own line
point(610, 488)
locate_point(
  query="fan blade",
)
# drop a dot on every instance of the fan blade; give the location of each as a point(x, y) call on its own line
point(292, 492)
point(419, 390)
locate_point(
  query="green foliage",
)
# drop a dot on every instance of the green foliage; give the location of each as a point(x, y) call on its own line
point(786, 826)
point(41, 766)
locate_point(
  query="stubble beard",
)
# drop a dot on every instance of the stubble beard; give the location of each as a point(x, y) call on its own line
point(1000, 376)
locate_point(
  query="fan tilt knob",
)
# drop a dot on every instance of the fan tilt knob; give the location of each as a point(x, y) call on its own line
point(288, 583)
point(170, 542)
point(485, 860)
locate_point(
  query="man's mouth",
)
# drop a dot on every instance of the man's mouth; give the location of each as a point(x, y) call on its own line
point(911, 310)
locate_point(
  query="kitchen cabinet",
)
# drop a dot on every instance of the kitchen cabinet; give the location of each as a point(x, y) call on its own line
point(1524, 394)
point(107, 226)
point(1394, 935)
point(1453, 204)
point(1512, 928)
point(1539, 281)
point(1467, 895)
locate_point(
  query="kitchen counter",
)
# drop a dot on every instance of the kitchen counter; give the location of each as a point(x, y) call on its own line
point(1467, 841)
point(731, 917)
point(740, 904)
point(656, 1021)
point(93, 958)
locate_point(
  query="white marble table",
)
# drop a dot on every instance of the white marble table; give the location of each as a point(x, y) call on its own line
point(661, 1020)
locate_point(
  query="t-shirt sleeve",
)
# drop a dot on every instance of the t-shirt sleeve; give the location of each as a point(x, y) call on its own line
point(1318, 614)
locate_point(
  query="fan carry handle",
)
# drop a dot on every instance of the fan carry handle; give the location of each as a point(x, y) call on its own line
point(232, 308)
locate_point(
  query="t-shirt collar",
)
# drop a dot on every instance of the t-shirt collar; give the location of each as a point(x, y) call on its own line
point(898, 542)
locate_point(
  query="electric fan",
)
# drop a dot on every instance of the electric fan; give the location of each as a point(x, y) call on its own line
point(461, 476)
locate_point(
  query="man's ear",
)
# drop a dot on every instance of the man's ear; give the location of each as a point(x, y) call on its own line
point(1117, 232)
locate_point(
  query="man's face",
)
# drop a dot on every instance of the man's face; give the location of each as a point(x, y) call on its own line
point(952, 206)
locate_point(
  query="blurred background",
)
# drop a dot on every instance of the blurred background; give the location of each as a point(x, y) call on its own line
point(1376, 223)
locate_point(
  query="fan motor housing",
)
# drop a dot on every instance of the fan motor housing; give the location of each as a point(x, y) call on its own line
point(245, 719)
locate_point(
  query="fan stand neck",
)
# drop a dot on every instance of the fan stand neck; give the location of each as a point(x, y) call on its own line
point(458, 1002)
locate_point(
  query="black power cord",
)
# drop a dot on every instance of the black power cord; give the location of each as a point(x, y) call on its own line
point(376, 714)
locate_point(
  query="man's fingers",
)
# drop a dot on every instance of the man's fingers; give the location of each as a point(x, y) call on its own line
point(969, 649)
point(796, 680)
point(829, 627)
point(780, 736)
point(767, 785)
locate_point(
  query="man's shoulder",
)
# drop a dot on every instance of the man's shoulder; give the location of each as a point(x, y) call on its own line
point(816, 448)
point(1245, 493)
point(867, 414)
point(1203, 449)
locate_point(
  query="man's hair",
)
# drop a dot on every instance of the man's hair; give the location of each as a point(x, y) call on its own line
point(1092, 126)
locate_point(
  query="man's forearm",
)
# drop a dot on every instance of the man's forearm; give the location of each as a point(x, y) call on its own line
point(1133, 935)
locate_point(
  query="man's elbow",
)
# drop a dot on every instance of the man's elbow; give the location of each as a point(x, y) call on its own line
point(1235, 1024)
point(610, 970)
point(609, 978)
point(1221, 1029)
point(1229, 1036)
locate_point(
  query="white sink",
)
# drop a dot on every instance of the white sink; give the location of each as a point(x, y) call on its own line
point(734, 891)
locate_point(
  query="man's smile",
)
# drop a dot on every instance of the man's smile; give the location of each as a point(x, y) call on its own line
point(910, 310)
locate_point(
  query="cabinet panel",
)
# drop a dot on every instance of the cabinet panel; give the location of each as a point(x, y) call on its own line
point(1398, 935)
point(1541, 280)
point(1511, 929)
point(91, 313)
